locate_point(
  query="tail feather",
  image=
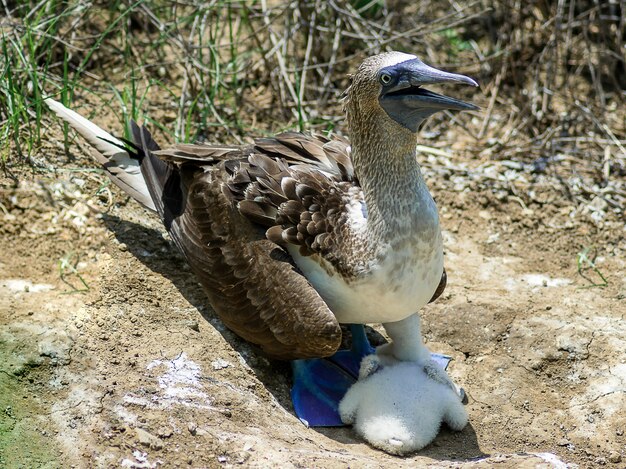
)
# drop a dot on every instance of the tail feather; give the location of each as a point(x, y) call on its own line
point(163, 179)
point(123, 170)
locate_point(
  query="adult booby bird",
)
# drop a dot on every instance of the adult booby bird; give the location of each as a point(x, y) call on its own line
point(295, 234)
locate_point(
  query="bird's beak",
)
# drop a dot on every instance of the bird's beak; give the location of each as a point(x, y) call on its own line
point(406, 101)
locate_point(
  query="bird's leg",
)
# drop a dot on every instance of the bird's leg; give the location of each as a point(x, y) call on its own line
point(360, 345)
point(407, 345)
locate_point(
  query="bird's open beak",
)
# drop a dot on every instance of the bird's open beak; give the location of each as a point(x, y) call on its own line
point(407, 102)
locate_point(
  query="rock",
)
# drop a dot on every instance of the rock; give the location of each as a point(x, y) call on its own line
point(598, 204)
point(165, 432)
point(220, 364)
point(57, 346)
point(615, 457)
point(192, 427)
point(148, 439)
point(575, 340)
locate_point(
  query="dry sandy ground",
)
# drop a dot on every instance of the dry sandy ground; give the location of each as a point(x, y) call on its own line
point(137, 372)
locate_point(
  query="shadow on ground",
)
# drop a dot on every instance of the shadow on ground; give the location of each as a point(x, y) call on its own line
point(161, 256)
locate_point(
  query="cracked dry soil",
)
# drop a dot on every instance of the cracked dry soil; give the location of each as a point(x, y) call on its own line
point(137, 372)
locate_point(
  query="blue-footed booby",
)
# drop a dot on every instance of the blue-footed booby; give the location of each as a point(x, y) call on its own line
point(293, 235)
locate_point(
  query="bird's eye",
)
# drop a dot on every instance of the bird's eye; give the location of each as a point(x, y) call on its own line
point(385, 78)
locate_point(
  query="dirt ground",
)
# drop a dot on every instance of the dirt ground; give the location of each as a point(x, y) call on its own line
point(111, 357)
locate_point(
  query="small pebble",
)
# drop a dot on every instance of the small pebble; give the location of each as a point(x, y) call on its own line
point(220, 364)
point(148, 439)
point(615, 457)
point(192, 427)
point(164, 432)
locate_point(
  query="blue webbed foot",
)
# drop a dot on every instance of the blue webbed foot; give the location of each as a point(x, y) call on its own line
point(320, 383)
point(441, 360)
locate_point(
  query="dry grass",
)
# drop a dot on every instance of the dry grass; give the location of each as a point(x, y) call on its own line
point(552, 75)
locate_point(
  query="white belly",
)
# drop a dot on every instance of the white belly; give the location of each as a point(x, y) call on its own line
point(392, 291)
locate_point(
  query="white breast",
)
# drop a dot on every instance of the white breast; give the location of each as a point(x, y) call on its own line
point(396, 288)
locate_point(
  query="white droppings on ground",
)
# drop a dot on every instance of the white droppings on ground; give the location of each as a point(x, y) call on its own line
point(126, 415)
point(220, 364)
point(554, 460)
point(535, 281)
point(140, 462)
point(180, 384)
point(541, 280)
point(20, 285)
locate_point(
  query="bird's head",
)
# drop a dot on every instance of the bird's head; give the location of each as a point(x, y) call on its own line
point(393, 82)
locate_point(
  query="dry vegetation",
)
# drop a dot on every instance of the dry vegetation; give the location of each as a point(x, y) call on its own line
point(552, 76)
point(541, 169)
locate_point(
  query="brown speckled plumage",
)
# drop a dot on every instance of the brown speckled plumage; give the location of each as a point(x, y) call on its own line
point(241, 206)
point(243, 216)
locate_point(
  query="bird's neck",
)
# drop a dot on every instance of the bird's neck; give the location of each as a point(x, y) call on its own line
point(398, 202)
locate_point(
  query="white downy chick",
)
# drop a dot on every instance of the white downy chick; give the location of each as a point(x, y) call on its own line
point(399, 408)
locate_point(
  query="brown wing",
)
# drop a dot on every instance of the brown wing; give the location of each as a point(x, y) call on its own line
point(295, 185)
point(299, 186)
point(295, 149)
point(251, 282)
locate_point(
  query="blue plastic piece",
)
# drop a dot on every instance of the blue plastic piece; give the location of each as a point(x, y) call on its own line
point(320, 383)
